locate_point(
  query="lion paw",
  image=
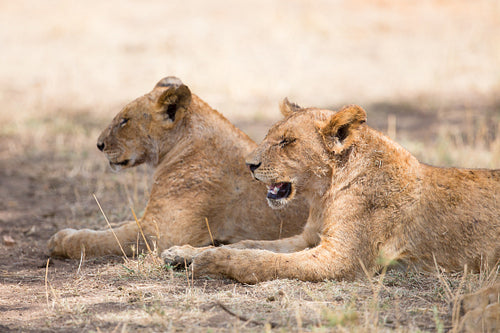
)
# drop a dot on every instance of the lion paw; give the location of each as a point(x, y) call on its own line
point(214, 262)
point(181, 256)
point(57, 242)
point(481, 310)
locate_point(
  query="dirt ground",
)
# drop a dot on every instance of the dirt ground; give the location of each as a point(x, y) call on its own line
point(427, 73)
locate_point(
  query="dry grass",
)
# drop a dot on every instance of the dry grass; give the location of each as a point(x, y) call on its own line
point(427, 72)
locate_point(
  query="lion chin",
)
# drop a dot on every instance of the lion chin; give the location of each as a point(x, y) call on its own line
point(117, 166)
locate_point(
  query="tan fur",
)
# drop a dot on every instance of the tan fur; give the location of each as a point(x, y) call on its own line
point(369, 200)
point(200, 175)
point(480, 311)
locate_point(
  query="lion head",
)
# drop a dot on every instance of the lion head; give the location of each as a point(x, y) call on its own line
point(137, 133)
point(296, 155)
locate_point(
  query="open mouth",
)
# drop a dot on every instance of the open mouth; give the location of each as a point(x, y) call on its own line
point(278, 191)
point(122, 163)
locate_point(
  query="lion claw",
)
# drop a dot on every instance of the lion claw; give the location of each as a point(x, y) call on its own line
point(180, 256)
point(177, 262)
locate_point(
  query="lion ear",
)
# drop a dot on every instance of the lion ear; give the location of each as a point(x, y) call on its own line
point(169, 81)
point(341, 128)
point(173, 101)
point(287, 107)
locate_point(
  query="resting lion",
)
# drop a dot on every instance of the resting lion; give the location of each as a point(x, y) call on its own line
point(200, 176)
point(370, 201)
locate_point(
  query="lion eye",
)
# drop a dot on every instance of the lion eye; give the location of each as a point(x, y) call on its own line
point(124, 122)
point(286, 141)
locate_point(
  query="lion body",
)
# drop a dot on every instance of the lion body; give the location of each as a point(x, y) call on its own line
point(371, 202)
point(200, 177)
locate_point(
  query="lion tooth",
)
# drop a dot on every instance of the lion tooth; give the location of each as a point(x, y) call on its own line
point(273, 189)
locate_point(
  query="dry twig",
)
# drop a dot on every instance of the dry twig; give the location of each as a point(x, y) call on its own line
point(245, 319)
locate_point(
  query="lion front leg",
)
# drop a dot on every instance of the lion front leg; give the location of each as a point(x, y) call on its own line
point(252, 266)
point(307, 239)
point(72, 243)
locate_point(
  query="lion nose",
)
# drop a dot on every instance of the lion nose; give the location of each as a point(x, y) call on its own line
point(100, 146)
point(253, 166)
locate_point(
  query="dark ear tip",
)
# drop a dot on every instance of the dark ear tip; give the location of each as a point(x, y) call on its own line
point(291, 105)
point(287, 107)
point(169, 81)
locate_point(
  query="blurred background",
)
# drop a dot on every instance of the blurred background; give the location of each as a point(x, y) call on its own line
point(424, 70)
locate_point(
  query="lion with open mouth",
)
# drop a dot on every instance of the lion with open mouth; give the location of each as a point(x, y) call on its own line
point(369, 198)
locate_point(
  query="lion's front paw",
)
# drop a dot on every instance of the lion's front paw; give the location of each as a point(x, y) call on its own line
point(482, 319)
point(181, 256)
point(212, 262)
point(57, 243)
point(480, 299)
point(481, 310)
